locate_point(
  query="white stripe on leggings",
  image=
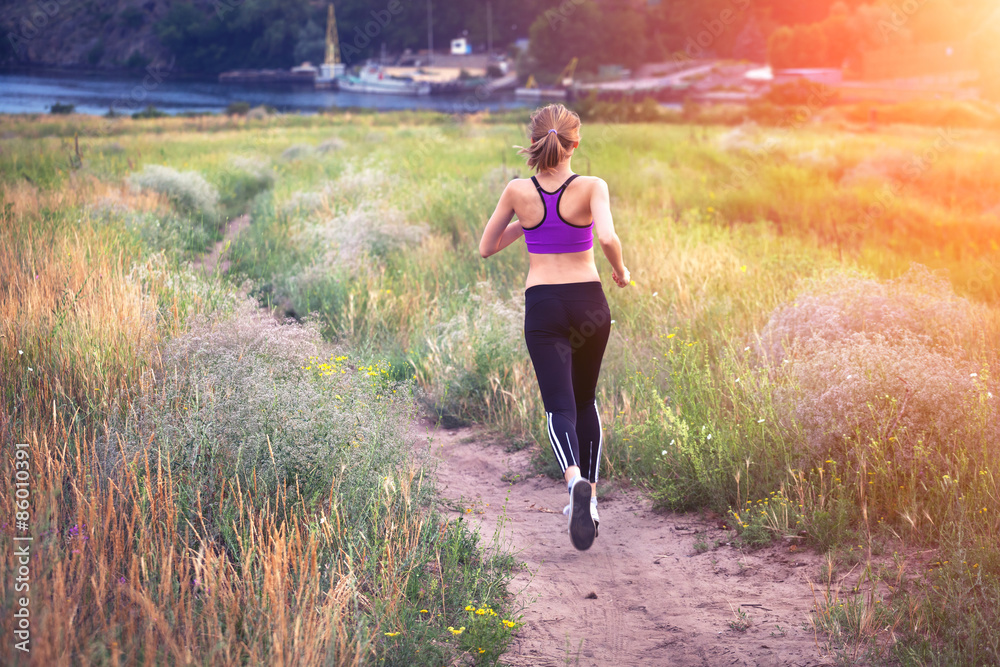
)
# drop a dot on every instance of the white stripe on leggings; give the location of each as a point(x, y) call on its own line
point(600, 439)
point(554, 441)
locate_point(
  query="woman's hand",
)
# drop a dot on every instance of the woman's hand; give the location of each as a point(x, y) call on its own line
point(622, 280)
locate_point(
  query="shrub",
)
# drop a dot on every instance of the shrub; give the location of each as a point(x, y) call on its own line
point(885, 165)
point(188, 191)
point(869, 389)
point(332, 144)
point(164, 231)
point(749, 137)
point(245, 395)
point(476, 359)
point(136, 60)
point(260, 112)
point(919, 304)
point(801, 91)
point(150, 112)
point(61, 109)
point(302, 204)
point(887, 367)
point(95, 53)
point(366, 231)
point(245, 179)
point(237, 108)
point(132, 17)
point(297, 151)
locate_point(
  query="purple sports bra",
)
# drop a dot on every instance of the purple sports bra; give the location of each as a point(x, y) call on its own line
point(554, 234)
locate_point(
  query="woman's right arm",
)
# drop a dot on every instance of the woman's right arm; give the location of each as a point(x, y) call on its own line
point(600, 208)
point(500, 232)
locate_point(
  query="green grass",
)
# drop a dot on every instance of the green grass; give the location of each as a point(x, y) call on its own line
point(205, 487)
point(742, 242)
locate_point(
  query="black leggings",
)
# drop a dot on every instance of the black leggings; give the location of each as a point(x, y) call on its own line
point(566, 328)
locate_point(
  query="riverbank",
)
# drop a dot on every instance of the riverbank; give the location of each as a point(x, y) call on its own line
point(161, 88)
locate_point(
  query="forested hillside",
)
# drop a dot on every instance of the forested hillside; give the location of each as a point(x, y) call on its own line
point(213, 35)
point(209, 36)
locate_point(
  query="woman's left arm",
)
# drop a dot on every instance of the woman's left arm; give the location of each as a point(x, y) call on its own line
point(500, 232)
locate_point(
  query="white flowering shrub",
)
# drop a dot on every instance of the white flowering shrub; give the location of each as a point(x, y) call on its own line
point(896, 392)
point(357, 186)
point(188, 191)
point(919, 304)
point(361, 233)
point(163, 230)
point(894, 367)
point(297, 152)
point(331, 145)
point(363, 227)
point(302, 203)
point(249, 396)
point(749, 137)
point(890, 165)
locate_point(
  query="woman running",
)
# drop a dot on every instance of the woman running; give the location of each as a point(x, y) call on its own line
point(566, 317)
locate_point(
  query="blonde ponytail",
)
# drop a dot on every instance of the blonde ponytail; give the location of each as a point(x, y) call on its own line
point(553, 131)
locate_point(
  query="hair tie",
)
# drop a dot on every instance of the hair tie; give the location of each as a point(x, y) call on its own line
point(554, 130)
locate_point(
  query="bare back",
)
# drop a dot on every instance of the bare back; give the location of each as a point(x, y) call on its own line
point(574, 207)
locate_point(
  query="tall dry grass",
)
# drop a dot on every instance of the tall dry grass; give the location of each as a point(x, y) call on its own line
point(203, 489)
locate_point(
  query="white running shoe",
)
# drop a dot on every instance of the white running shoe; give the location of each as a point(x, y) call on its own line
point(593, 515)
point(582, 530)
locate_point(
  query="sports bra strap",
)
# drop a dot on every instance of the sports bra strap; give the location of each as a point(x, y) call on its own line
point(560, 188)
point(568, 181)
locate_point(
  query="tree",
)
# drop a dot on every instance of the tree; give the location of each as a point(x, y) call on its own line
point(808, 45)
point(750, 43)
point(311, 44)
point(779, 48)
point(838, 36)
point(560, 34)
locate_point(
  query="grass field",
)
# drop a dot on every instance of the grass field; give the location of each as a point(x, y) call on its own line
point(810, 349)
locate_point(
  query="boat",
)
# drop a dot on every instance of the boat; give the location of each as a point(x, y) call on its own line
point(531, 89)
point(328, 75)
point(540, 93)
point(373, 79)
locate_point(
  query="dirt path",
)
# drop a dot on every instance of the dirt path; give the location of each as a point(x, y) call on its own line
point(214, 260)
point(658, 601)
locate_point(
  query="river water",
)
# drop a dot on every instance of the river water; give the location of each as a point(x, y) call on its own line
point(91, 94)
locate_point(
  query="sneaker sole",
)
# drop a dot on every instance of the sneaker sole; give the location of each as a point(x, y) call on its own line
point(581, 525)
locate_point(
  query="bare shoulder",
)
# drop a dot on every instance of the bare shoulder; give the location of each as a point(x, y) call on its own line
point(593, 184)
point(520, 188)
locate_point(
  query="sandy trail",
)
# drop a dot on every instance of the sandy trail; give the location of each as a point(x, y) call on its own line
point(216, 259)
point(658, 601)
